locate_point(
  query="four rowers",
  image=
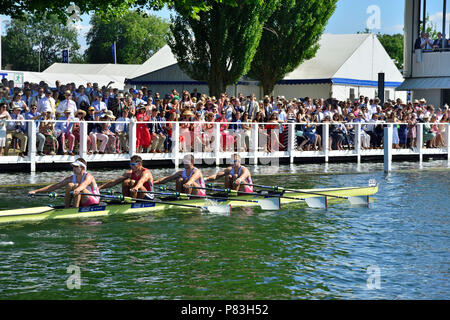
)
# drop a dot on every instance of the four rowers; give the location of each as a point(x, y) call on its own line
point(81, 187)
point(79, 182)
point(235, 176)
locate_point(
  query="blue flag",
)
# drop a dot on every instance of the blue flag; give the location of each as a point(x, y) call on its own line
point(65, 56)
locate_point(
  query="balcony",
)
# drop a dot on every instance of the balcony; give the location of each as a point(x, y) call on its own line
point(431, 64)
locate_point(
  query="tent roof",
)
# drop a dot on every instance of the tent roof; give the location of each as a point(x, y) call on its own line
point(161, 59)
point(64, 78)
point(334, 51)
point(125, 70)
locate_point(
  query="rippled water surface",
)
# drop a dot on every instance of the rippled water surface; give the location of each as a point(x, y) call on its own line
point(294, 253)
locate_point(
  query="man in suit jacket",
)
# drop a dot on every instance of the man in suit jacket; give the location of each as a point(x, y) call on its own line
point(252, 107)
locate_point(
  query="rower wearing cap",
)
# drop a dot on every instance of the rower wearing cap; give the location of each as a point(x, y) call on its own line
point(134, 180)
point(187, 178)
point(235, 176)
point(80, 182)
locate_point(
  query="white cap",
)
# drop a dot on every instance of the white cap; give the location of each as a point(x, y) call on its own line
point(78, 164)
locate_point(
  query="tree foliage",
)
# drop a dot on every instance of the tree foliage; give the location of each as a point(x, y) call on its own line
point(290, 36)
point(219, 46)
point(24, 37)
point(393, 44)
point(137, 38)
point(105, 8)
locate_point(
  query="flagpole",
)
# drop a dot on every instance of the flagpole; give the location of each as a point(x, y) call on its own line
point(115, 53)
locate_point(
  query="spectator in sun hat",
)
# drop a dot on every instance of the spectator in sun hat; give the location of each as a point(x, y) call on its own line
point(64, 131)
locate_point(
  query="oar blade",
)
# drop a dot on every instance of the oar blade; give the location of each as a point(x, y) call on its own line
point(219, 209)
point(270, 203)
point(317, 202)
point(358, 201)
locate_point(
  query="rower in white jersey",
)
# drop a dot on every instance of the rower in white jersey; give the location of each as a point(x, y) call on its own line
point(79, 182)
point(187, 178)
point(235, 176)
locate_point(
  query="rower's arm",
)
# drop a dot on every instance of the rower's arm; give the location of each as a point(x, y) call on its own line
point(114, 182)
point(195, 177)
point(53, 187)
point(245, 174)
point(87, 181)
point(217, 175)
point(168, 178)
point(146, 176)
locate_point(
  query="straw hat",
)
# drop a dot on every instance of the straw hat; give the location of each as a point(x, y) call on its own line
point(423, 100)
point(416, 101)
point(82, 112)
point(109, 114)
point(188, 113)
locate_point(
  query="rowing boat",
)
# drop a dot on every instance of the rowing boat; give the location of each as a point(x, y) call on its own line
point(107, 209)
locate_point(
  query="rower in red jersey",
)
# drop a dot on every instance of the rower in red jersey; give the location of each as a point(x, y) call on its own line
point(136, 179)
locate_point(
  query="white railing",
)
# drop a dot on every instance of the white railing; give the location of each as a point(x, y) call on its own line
point(260, 143)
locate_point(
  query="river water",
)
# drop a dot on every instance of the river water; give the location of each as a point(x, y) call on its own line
point(396, 249)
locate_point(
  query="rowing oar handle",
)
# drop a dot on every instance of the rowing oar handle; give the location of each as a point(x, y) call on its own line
point(50, 195)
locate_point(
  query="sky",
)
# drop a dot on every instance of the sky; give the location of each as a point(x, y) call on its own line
point(349, 17)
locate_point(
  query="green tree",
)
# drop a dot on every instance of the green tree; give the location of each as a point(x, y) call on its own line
point(219, 46)
point(24, 37)
point(137, 38)
point(18, 9)
point(290, 36)
point(393, 44)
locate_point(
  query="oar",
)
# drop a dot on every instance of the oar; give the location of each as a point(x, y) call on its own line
point(224, 209)
point(265, 204)
point(50, 195)
point(314, 202)
point(354, 200)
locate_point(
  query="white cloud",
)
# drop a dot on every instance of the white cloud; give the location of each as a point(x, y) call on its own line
point(436, 19)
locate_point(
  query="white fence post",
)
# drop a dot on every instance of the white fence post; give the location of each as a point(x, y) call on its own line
point(388, 131)
point(420, 141)
point(255, 143)
point(132, 137)
point(217, 142)
point(32, 144)
point(326, 140)
point(291, 141)
point(83, 139)
point(447, 142)
point(176, 143)
point(358, 142)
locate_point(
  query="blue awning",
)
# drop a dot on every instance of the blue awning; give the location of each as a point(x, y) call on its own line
point(425, 83)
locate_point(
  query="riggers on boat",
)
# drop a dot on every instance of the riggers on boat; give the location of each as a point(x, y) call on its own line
point(330, 195)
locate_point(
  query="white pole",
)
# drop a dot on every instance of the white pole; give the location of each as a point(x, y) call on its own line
point(218, 142)
point(32, 144)
point(420, 141)
point(447, 142)
point(388, 131)
point(176, 144)
point(132, 137)
point(358, 142)
point(291, 137)
point(255, 138)
point(83, 139)
point(326, 140)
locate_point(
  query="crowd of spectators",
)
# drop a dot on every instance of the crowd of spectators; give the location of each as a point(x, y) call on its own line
point(426, 43)
point(196, 112)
